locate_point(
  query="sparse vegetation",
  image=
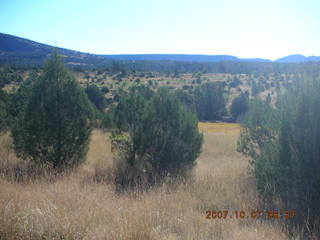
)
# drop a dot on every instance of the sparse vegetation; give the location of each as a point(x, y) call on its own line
point(154, 140)
point(83, 205)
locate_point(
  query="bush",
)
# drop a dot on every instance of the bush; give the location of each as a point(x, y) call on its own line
point(96, 96)
point(210, 101)
point(105, 89)
point(284, 145)
point(55, 124)
point(239, 105)
point(235, 82)
point(161, 139)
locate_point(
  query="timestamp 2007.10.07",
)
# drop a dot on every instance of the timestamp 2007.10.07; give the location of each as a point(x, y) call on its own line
point(255, 214)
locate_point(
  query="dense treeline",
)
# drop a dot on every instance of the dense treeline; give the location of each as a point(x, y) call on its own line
point(175, 67)
point(232, 67)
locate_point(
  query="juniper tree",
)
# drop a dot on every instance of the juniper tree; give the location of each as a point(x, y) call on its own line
point(210, 101)
point(283, 143)
point(156, 137)
point(239, 105)
point(55, 124)
point(96, 96)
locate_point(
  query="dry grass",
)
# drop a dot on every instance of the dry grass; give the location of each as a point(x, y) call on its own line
point(79, 207)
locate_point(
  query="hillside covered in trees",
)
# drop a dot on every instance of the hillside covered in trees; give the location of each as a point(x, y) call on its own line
point(24, 52)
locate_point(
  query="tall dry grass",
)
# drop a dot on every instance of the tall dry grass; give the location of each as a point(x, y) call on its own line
point(83, 204)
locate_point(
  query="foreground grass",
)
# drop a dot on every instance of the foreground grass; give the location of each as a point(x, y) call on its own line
point(83, 205)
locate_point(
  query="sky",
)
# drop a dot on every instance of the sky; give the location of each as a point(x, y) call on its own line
point(244, 28)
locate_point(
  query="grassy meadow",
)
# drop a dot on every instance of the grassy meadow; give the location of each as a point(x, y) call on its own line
point(84, 205)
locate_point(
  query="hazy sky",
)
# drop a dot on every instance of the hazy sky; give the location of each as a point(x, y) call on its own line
point(245, 28)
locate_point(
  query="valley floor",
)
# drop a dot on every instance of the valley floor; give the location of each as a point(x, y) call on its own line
point(83, 205)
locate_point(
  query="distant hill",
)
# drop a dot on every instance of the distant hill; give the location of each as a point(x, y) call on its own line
point(182, 58)
point(295, 58)
point(16, 50)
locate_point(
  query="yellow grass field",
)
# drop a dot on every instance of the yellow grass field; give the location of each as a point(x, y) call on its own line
point(84, 205)
point(230, 128)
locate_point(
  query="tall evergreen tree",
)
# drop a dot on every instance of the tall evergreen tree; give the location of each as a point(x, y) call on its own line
point(55, 125)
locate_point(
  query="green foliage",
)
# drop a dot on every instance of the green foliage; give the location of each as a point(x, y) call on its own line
point(105, 89)
point(187, 100)
point(284, 146)
point(19, 99)
point(239, 105)
point(9, 75)
point(235, 82)
point(54, 124)
point(257, 88)
point(96, 96)
point(4, 99)
point(128, 112)
point(210, 101)
point(161, 138)
point(107, 120)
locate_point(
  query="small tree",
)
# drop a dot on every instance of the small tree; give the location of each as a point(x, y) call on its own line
point(210, 101)
point(171, 136)
point(284, 146)
point(187, 100)
point(96, 96)
point(55, 124)
point(239, 105)
point(161, 138)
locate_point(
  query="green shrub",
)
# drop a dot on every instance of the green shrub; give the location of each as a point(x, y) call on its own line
point(96, 96)
point(239, 105)
point(161, 138)
point(210, 101)
point(105, 89)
